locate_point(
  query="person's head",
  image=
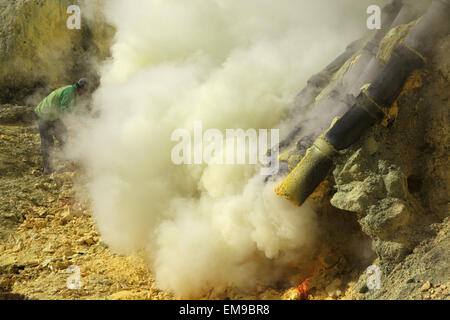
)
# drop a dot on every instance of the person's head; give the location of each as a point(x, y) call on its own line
point(82, 86)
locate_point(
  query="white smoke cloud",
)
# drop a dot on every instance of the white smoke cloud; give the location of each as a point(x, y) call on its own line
point(230, 64)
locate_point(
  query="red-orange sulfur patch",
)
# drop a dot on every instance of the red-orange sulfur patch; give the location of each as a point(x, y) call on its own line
point(303, 289)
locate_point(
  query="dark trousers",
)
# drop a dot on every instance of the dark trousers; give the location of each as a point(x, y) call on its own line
point(49, 130)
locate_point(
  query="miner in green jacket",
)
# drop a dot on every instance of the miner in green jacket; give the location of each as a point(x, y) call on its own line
point(48, 113)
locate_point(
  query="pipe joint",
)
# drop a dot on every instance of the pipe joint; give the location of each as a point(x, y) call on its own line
point(327, 149)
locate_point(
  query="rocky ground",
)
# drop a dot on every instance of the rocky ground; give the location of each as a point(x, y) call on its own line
point(423, 274)
point(394, 184)
point(44, 229)
point(46, 226)
point(395, 181)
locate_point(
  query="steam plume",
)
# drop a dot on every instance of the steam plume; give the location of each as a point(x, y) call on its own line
point(230, 64)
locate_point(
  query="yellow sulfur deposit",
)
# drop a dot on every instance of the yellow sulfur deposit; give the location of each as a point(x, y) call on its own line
point(290, 157)
point(413, 82)
point(392, 39)
point(293, 161)
point(348, 65)
point(285, 155)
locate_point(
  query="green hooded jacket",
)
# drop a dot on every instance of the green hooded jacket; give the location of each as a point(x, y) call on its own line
point(59, 101)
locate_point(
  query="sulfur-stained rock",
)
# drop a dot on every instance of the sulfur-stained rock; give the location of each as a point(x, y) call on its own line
point(396, 184)
point(291, 294)
point(385, 219)
point(126, 295)
point(293, 161)
point(371, 145)
point(425, 287)
point(351, 197)
point(88, 240)
point(49, 248)
point(391, 252)
point(392, 39)
point(353, 169)
point(62, 265)
point(357, 195)
point(333, 287)
point(69, 214)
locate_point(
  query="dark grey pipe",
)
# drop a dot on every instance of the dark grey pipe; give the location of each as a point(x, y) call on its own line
point(370, 106)
point(343, 94)
point(385, 89)
point(406, 14)
point(434, 22)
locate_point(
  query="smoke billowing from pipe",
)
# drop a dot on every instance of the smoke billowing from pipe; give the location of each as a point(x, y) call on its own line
point(230, 64)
